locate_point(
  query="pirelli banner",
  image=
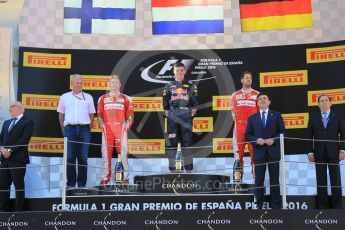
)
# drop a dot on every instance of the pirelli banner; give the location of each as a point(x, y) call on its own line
point(293, 75)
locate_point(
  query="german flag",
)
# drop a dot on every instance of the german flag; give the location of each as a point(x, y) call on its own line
point(275, 14)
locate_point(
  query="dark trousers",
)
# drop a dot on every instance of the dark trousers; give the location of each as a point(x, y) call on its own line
point(273, 170)
point(321, 179)
point(77, 151)
point(180, 129)
point(12, 172)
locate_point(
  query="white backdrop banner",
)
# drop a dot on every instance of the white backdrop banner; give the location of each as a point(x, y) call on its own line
point(6, 72)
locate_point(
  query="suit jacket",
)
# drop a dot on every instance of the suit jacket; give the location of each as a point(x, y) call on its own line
point(19, 135)
point(335, 129)
point(255, 130)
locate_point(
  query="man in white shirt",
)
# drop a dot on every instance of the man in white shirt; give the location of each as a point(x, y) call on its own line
point(76, 112)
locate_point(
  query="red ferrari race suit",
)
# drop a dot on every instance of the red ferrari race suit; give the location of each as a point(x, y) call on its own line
point(116, 114)
point(244, 104)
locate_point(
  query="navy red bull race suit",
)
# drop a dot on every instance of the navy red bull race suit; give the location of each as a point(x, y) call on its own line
point(179, 98)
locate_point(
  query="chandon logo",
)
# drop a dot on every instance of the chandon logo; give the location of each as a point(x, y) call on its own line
point(265, 221)
point(57, 222)
point(321, 221)
point(148, 75)
point(212, 222)
point(158, 221)
point(11, 223)
point(106, 222)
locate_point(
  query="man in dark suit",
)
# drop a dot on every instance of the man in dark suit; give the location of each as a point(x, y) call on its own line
point(263, 130)
point(14, 138)
point(327, 125)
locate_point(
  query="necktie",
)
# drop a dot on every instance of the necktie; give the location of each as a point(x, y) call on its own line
point(263, 118)
point(324, 119)
point(12, 124)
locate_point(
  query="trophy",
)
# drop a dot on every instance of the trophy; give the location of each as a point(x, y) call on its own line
point(119, 170)
point(237, 169)
point(178, 158)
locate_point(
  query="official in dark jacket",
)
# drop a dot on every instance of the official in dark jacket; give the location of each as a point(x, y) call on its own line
point(327, 127)
point(263, 131)
point(14, 139)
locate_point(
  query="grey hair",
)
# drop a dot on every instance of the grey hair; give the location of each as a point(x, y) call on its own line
point(75, 76)
point(19, 104)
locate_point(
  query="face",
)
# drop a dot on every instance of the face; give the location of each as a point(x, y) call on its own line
point(324, 103)
point(247, 80)
point(115, 85)
point(15, 110)
point(179, 73)
point(263, 102)
point(77, 84)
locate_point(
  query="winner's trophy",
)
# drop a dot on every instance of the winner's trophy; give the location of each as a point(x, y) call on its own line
point(178, 159)
point(119, 170)
point(237, 169)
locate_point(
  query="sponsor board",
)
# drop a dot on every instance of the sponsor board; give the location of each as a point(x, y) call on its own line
point(146, 146)
point(148, 104)
point(46, 144)
point(47, 60)
point(284, 78)
point(95, 82)
point(40, 101)
point(337, 96)
point(203, 124)
point(221, 102)
point(296, 120)
point(326, 54)
point(96, 126)
point(225, 145)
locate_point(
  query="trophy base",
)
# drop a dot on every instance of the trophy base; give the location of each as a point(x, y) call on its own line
point(180, 183)
point(117, 189)
point(81, 191)
point(237, 188)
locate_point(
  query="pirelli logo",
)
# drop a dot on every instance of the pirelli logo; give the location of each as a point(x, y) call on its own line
point(148, 104)
point(39, 101)
point(96, 126)
point(296, 120)
point(46, 60)
point(203, 124)
point(46, 145)
point(95, 82)
point(146, 146)
point(221, 102)
point(285, 78)
point(326, 54)
point(337, 96)
point(224, 145)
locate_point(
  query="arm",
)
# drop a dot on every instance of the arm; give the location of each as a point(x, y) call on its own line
point(100, 106)
point(92, 110)
point(61, 120)
point(281, 130)
point(166, 99)
point(92, 116)
point(233, 106)
point(129, 113)
point(310, 135)
point(25, 137)
point(194, 99)
point(341, 131)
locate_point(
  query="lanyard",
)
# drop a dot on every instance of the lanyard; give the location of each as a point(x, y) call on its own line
point(79, 97)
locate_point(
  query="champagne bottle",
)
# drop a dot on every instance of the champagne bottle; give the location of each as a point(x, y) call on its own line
point(119, 169)
point(237, 169)
point(178, 158)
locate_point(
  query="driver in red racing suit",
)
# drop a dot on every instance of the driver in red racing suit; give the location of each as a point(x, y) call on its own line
point(116, 114)
point(244, 104)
